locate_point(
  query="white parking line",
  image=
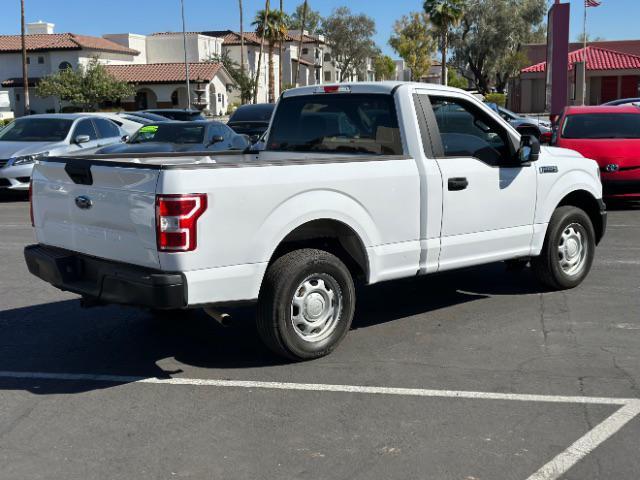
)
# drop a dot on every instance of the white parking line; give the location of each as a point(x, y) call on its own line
point(630, 407)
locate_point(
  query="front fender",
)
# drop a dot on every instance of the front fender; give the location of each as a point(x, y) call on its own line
point(551, 193)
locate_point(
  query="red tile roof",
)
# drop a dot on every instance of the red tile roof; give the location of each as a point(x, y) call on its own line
point(597, 59)
point(252, 38)
point(163, 72)
point(61, 41)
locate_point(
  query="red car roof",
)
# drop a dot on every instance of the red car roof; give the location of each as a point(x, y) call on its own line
point(602, 109)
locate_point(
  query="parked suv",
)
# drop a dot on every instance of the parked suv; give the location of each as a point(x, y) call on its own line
point(32, 138)
point(611, 136)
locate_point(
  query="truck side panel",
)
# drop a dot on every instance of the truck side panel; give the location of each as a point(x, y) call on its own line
point(253, 208)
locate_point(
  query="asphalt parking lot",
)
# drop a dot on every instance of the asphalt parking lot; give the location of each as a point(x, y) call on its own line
point(471, 375)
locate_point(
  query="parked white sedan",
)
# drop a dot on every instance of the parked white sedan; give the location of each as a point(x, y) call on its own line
point(128, 123)
point(28, 139)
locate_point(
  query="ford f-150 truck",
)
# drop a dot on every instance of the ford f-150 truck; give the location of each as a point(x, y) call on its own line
point(362, 181)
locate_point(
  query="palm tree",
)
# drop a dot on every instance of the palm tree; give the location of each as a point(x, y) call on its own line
point(256, 84)
point(241, 38)
point(270, 25)
point(444, 14)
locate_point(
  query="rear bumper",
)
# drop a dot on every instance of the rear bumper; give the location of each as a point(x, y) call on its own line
point(106, 281)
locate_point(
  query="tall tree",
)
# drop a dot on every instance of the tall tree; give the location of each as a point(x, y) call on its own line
point(305, 8)
point(312, 20)
point(270, 26)
point(350, 37)
point(384, 67)
point(25, 75)
point(281, 53)
point(241, 37)
point(413, 41)
point(86, 87)
point(445, 14)
point(265, 13)
point(488, 43)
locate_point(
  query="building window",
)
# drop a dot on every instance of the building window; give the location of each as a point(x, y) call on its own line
point(174, 98)
point(64, 66)
point(327, 76)
point(327, 57)
point(28, 60)
point(40, 60)
point(305, 51)
point(17, 97)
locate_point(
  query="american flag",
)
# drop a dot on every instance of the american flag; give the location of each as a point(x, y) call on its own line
point(592, 3)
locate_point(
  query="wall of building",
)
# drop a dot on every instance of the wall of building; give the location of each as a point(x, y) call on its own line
point(131, 40)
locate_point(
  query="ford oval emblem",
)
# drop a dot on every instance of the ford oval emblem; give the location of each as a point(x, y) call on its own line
point(83, 202)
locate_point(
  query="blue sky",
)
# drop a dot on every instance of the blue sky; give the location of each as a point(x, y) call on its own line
point(614, 20)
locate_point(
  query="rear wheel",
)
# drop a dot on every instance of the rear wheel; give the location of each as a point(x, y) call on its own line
point(568, 250)
point(306, 304)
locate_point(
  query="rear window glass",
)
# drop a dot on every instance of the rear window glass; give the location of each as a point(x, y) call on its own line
point(602, 125)
point(336, 123)
point(252, 113)
point(170, 133)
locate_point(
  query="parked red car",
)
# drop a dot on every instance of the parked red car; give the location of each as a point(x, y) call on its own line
point(611, 136)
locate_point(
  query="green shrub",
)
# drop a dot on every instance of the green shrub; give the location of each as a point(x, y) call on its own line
point(499, 99)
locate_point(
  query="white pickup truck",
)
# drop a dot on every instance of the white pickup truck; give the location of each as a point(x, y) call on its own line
point(369, 181)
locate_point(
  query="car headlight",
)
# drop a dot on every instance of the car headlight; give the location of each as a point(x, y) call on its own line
point(26, 159)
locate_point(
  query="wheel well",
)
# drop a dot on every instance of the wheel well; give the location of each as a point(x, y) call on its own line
point(332, 236)
point(585, 201)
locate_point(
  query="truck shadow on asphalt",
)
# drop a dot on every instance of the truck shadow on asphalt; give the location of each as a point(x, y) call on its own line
point(61, 337)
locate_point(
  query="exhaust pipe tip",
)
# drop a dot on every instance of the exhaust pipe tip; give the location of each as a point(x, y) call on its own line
point(222, 318)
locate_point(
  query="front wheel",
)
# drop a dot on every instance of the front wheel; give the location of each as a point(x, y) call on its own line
point(568, 250)
point(306, 304)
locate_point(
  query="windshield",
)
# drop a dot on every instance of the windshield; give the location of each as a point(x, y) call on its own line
point(36, 130)
point(602, 125)
point(337, 123)
point(170, 133)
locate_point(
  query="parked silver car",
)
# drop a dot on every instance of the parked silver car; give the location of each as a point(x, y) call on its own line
point(28, 139)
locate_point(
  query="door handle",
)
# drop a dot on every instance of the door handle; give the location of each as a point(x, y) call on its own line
point(457, 184)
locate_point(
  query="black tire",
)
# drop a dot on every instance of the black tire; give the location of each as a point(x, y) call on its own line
point(284, 279)
point(547, 267)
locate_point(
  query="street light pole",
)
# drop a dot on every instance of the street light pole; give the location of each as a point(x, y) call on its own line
point(25, 75)
point(186, 63)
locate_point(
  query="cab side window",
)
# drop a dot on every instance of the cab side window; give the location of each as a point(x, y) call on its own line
point(467, 131)
point(85, 127)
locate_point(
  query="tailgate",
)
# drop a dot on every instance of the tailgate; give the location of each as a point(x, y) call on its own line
point(102, 210)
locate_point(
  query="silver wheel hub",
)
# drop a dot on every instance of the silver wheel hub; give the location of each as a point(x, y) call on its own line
point(572, 249)
point(316, 307)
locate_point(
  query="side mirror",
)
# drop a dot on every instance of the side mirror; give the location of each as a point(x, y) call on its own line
point(529, 150)
point(125, 138)
point(240, 142)
point(216, 139)
point(254, 138)
point(81, 139)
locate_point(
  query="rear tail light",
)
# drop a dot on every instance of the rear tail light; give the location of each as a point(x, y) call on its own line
point(176, 221)
point(33, 224)
point(545, 137)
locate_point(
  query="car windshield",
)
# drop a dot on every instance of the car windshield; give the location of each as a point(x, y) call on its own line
point(170, 133)
point(32, 129)
point(337, 123)
point(252, 113)
point(602, 125)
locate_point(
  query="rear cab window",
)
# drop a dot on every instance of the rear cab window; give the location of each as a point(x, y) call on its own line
point(336, 123)
point(601, 126)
